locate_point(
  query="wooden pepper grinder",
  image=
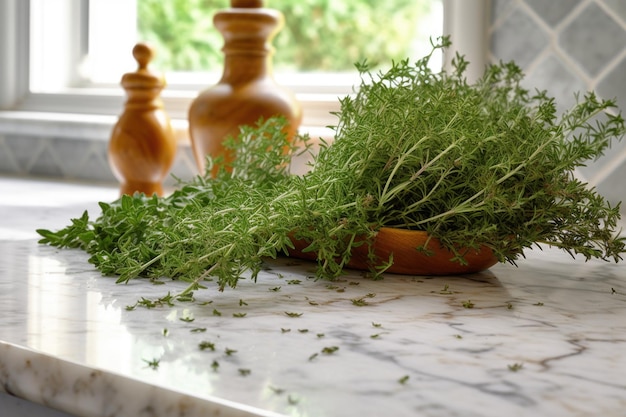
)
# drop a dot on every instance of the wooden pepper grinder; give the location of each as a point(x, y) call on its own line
point(247, 90)
point(142, 146)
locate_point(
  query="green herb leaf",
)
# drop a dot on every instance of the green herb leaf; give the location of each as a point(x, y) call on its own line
point(198, 330)
point(359, 302)
point(330, 350)
point(206, 345)
point(154, 363)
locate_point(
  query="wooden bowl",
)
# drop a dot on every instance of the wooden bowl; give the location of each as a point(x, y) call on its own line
point(407, 259)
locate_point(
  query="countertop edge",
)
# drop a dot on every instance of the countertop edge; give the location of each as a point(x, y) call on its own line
point(81, 390)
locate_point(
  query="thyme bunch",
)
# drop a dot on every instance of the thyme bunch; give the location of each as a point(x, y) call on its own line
point(488, 163)
point(483, 164)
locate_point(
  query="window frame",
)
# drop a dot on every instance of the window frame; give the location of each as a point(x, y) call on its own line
point(14, 81)
point(465, 20)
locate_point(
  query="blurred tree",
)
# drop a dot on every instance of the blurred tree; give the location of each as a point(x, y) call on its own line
point(182, 32)
point(319, 35)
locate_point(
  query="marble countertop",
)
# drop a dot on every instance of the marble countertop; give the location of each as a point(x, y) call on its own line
point(547, 337)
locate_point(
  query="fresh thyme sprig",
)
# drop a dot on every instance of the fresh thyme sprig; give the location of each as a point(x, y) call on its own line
point(208, 228)
point(488, 163)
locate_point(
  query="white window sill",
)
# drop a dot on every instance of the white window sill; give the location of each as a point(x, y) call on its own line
point(94, 126)
point(74, 146)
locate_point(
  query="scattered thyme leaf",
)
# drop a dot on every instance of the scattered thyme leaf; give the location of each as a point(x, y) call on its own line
point(404, 380)
point(515, 367)
point(360, 302)
point(445, 290)
point(154, 363)
point(330, 350)
point(206, 345)
point(290, 314)
point(198, 330)
point(275, 390)
point(468, 304)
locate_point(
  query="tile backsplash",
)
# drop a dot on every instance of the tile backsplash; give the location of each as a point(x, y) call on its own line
point(567, 46)
point(563, 46)
point(71, 147)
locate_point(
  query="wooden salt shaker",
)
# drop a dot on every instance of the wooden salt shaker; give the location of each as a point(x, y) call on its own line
point(142, 146)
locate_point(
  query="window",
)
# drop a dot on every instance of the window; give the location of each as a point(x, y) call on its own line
point(83, 76)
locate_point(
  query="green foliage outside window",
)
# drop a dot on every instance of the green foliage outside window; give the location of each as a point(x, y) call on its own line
point(325, 35)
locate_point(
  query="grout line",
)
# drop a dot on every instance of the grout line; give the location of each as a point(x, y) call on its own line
point(608, 10)
point(47, 145)
point(495, 24)
point(35, 154)
point(573, 14)
point(608, 68)
point(9, 156)
point(534, 16)
point(572, 65)
point(545, 52)
point(570, 62)
point(607, 169)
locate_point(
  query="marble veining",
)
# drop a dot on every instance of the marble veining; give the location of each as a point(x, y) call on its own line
point(547, 337)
